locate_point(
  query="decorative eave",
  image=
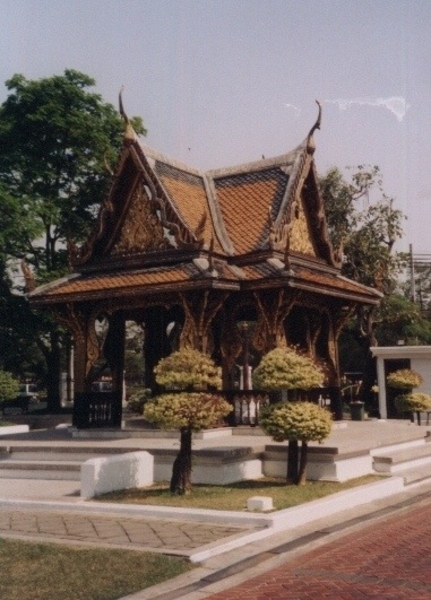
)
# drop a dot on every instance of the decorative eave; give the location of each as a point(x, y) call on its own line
point(310, 276)
point(80, 287)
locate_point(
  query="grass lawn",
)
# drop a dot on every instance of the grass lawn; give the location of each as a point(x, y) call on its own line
point(33, 571)
point(235, 495)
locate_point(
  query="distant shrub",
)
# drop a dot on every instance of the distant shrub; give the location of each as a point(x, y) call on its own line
point(137, 399)
point(414, 402)
point(9, 386)
point(404, 379)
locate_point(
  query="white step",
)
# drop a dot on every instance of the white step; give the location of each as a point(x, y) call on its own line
point(31, 469)
point(394, 461)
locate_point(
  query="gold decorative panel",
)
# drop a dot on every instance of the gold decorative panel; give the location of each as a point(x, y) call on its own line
point(300, 237)
point(142, 230)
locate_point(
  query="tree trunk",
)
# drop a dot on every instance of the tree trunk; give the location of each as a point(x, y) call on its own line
point(292, 461)
point(181, 481)
point(302, 474)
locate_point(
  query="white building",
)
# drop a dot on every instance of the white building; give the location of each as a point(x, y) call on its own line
point(392, 358)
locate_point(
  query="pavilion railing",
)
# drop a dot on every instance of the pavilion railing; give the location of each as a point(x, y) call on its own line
point(247, 404)
point(97, 410)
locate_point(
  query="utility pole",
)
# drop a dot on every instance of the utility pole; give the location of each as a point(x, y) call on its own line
point(412, 274)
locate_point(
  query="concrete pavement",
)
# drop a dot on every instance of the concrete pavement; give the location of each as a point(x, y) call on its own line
point(386, 559)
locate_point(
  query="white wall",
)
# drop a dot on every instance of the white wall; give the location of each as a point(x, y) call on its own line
point(420, 361)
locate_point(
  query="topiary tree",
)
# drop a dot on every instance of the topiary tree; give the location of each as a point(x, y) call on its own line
point(297, 421)
point(188, 411)
point(188, 369)
point(415, 402)
point(404, 380)
point(288, 369)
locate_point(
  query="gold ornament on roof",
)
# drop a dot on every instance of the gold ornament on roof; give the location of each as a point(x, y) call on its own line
point(142, 230)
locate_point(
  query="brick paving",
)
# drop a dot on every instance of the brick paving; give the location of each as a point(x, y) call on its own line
point(389, 560)
point(137, 533)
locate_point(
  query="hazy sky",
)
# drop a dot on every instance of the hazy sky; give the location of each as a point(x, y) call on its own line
point(221, 82)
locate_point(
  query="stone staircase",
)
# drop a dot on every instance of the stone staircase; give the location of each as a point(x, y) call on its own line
point(47, 462)
point(412, 461)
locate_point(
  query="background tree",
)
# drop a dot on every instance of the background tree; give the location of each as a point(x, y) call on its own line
point(364, 226)
point(186, 369)
point(55, 140)
point(287, 369)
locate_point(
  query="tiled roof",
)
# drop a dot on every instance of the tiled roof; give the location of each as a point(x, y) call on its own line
point(241, 204)
point(144, 281)
point(312, 279)
point(188, 194)
point(128, 282)
point(245, 200)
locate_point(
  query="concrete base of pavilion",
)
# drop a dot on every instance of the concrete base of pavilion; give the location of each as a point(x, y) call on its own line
point(227, 455)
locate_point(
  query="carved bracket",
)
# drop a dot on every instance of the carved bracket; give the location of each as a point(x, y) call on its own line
point(273, 309)
point(199, 311)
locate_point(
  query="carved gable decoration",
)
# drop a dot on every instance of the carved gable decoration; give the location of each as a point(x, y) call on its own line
point(300, 233)
point(141, 230)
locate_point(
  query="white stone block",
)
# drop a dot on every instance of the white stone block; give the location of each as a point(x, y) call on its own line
point(124, 471)
point(12, 429)
point(259, 503)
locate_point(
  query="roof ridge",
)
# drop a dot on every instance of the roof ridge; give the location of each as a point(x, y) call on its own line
point(217, 219)
point(261, 164)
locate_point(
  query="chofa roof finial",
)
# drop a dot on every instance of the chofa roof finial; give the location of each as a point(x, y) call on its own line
point(129, 133)
point(310, 142)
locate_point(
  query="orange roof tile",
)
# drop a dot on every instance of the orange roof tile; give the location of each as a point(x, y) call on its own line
point(302, 277)
point(244, 201)
point(188, 194)
point(128, 282)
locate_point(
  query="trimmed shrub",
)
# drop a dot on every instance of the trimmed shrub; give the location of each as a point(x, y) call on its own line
point(194, 410)
point(404, 379)
point(285, 368)
point(188, 369)
point(300, 421)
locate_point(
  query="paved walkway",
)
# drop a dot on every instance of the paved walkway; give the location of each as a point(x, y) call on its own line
point(170, 536)
point(387, 560)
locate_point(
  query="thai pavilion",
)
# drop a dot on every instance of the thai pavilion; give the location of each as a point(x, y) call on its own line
point(204, 259)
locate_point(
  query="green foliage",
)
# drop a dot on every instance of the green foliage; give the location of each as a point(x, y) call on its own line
point(397, 318)
point(9, 386)
point(187, 410)
point(285, 368)
point(363, 226)
point(414, 402)
point(296, 421)
point(188, 369)
point(404, 379)
point(55, 137)
point(138, 398)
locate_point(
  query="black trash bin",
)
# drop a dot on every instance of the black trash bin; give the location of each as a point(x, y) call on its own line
point(357, 411)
